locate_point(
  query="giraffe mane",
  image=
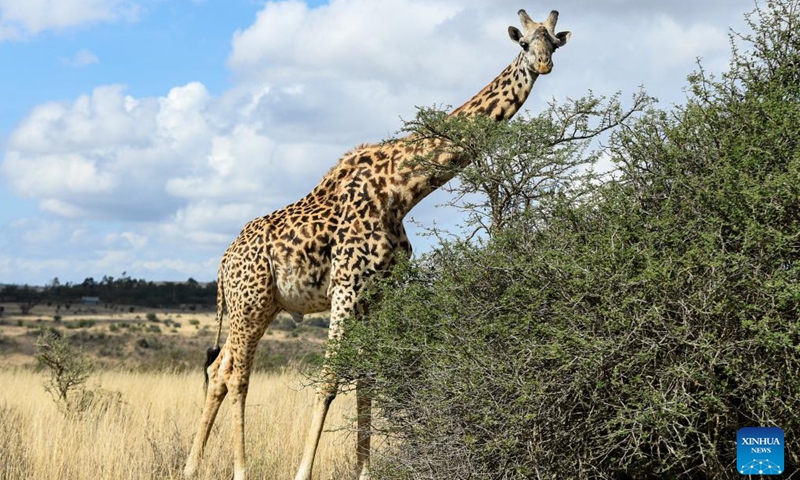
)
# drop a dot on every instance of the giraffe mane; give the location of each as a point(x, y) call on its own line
point(358, 147)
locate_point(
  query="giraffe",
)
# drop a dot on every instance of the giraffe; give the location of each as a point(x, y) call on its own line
point(318, 253)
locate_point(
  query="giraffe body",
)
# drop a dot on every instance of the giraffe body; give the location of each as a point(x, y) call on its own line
point(318, 253)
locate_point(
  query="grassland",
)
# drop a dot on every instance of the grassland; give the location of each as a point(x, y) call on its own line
point(148, 370)
point(148, 433)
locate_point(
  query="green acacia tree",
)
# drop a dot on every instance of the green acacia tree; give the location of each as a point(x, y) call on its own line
point(67, 367)
point(625, 332)
point(517, 164)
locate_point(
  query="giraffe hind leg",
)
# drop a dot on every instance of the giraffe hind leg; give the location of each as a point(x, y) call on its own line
point(243, 348)
point(229, 373)
point(249, 294)
point(216, 389)
point(211, 355)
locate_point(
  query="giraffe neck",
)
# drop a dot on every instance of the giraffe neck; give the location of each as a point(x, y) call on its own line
point(499, 100)
point(504, 96)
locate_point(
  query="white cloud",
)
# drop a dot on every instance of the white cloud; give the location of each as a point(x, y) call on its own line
point(238, 163)
point(60, 208)
point(19, 18)
point(7, 32)
point(328, 72)
point(344, 37)
point(99, 122)
point(37, 232)
point(679, 45)
point(208, 223)
point(180, 118)
point(33, 271)
point(186, 159)
point(136, 241)
point(50, 175)
point(81, 58)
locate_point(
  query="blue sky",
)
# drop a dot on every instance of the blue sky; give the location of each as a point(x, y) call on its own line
point(139, 136)
point(162, 45)
point(176, 42)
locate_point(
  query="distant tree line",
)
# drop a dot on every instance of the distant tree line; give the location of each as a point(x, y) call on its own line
point(116, 291)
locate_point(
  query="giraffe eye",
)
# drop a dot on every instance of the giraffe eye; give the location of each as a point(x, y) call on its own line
point(524, 45)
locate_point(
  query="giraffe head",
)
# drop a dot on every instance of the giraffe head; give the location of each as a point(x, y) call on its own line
point(538, 41)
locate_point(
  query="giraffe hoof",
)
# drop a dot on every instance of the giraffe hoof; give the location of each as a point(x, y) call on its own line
point(189, 471)
point(303, 474)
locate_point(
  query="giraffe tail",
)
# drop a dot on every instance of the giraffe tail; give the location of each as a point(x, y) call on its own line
point(213, 352)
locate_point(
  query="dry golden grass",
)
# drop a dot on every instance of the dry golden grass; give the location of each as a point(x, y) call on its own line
point(148, 435)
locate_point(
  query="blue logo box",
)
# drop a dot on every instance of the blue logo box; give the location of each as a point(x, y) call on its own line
point(759, 451)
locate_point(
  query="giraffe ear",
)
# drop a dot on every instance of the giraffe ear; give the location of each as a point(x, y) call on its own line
point(563, 38)
point(515, 34)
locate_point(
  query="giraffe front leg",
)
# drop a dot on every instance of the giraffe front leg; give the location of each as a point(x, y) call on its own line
point(342, 306)
point(364, 414)
point(325, 394)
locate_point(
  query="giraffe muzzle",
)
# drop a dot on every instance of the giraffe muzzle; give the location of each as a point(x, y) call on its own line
point(543, 68)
